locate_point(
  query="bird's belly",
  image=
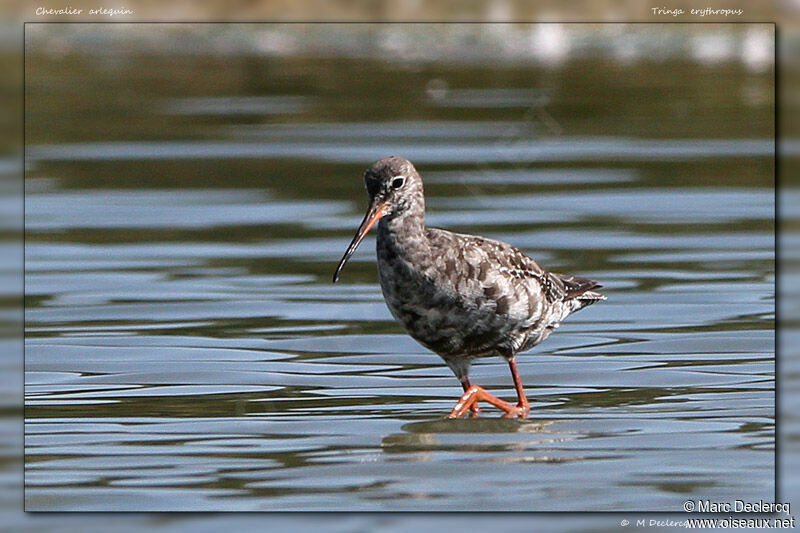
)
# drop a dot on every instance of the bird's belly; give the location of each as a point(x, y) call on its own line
point(446, 321)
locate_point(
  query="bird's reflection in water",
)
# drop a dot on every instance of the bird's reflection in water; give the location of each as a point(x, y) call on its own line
point(479, 425)
point(423, 439)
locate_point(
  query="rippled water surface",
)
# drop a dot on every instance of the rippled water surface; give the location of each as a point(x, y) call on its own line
point(186, 349)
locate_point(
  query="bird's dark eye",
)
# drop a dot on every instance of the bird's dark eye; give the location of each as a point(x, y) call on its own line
point(398, 182)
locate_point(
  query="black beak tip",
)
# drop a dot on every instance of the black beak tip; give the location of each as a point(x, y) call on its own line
point(370, 218)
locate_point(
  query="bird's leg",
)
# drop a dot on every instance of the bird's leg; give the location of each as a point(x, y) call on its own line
point(474, 394)
point(523, 406)
point(474, 408)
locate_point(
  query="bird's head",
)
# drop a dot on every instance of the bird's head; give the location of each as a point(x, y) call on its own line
point(395, 190)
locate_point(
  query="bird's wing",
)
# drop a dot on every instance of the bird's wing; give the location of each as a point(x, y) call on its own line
point(517, 267)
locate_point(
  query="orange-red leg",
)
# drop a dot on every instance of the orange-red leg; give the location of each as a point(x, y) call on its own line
point(474, 408)
point(522, 400)
point(474, 394)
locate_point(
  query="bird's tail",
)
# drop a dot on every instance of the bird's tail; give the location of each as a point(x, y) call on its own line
point(580, 291)
point(591, 297)
point(581, 287)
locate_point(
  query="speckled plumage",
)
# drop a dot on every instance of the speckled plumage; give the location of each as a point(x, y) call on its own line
point(461, 296)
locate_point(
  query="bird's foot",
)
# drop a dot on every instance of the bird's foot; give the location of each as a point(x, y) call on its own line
point(519, 411)
point(469, 402)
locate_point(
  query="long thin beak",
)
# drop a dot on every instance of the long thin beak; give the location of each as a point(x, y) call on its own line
point(374, 213)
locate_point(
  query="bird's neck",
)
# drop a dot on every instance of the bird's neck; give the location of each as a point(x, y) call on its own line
point(403, 235)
